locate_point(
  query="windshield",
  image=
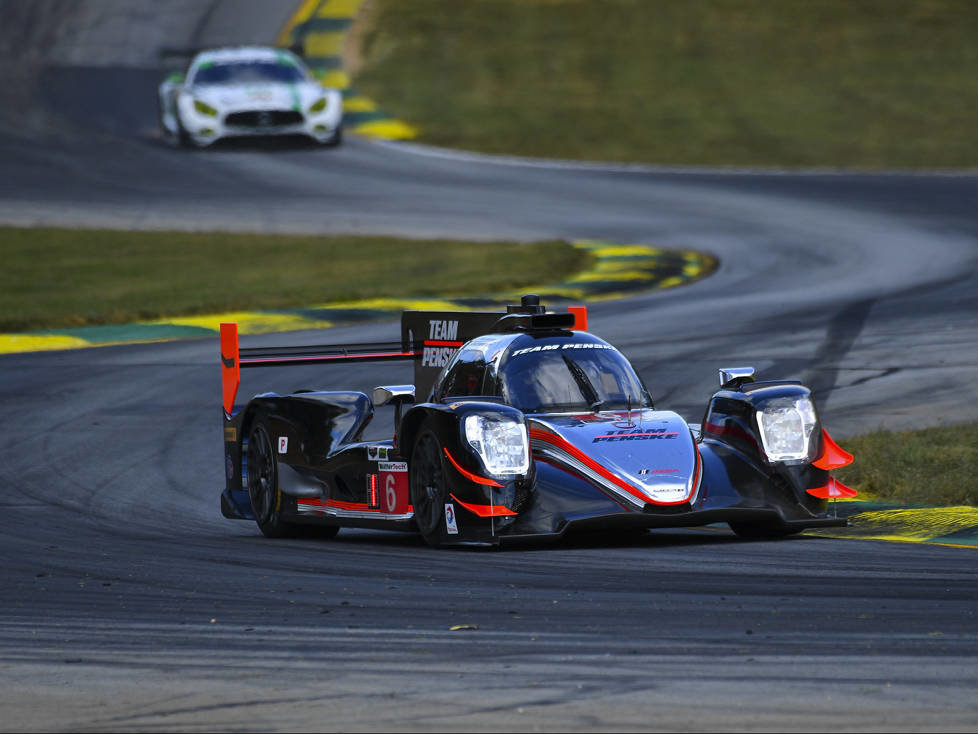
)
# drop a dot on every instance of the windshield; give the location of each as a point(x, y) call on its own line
point(248, 72)
point(571, 377)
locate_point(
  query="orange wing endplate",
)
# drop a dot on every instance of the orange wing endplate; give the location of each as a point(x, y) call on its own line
point(230, 366)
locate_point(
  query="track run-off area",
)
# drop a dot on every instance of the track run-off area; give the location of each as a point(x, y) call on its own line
point(131, 604)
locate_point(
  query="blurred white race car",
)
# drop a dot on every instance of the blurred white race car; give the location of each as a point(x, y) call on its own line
point(248, 91)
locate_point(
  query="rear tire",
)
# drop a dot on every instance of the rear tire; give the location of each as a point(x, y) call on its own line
point(429, 491)
point(263, 490)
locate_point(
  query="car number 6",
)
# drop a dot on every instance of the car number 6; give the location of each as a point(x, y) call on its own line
point(391, 494)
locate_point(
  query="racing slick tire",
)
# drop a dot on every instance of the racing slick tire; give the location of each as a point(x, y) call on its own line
point(263, 489)
point(762, 530)
point(429, 490)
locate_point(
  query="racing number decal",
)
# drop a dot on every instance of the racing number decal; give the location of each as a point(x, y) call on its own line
point(394, 481)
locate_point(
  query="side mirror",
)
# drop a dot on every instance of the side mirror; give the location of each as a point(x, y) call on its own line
point(731, 378)
point(397, 395)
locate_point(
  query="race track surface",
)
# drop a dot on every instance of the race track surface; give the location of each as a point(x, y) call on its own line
point(131, 604)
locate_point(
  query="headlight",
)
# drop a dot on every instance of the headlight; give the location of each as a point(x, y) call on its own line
point(501, 443)
point(319, 105)
point(204, 108)
point(786, 426)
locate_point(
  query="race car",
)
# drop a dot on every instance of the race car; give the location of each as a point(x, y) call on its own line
point(527, 427)
point(248, 91)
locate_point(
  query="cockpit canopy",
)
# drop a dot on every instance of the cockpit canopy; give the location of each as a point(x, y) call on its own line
point(561, 372)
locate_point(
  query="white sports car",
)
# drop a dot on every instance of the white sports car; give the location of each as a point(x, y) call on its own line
point(248, 91)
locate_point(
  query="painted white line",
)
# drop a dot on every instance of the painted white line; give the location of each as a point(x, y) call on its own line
point(431, 151)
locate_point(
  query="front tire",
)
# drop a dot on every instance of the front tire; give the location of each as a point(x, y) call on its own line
point(429, 490)
point(335, 139)
point(263, 490)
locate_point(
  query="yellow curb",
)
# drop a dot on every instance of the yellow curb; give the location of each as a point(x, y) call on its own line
point(907, 525)
point(358, 104)
point(12, 343)
point(338, 9)
point(301, 15)
point(330, 43)
point(249, 322)
point(917, 523)
point(394, 304)
point(335, 79)
point(602, 250)
point(601, 274)
point(324, 44)
point(387, 130)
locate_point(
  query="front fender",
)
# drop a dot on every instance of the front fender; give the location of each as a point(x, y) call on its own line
point(448, 420)
point(473, 487)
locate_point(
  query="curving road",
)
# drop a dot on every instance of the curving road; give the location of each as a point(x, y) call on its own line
point(131, 604)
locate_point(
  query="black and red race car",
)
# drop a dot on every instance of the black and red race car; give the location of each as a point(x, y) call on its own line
point(527, 426)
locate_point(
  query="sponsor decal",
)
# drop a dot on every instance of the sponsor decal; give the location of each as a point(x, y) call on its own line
point(450, 524)
point(636, 435)
point(377, 453)
point(437, 356)
point(230, 434)
point(560, 347)
point(283, 444)
point(441, 344)
point(393, 466)
point(442, 330)
point(228, 362)
point(394, 486)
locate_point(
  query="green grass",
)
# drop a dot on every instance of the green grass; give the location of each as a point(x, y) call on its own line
point(55, 278)
point(874, 83)
point(934, 466)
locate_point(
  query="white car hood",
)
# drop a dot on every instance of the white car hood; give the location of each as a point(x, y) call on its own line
point(231, 97)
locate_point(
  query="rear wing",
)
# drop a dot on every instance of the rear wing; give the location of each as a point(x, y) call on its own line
point(429, 338)
point(234, 359)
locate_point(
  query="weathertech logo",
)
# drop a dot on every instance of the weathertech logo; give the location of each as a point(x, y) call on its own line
point(637, 435)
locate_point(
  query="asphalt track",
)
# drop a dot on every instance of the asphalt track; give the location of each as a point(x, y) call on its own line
point(130, 604)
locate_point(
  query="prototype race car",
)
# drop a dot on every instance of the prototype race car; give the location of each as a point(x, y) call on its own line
point(248, 91)
point(529, 427)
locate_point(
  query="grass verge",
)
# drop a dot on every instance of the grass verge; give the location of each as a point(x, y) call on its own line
point(57, 278)
point(933, 466)
point(874, 83)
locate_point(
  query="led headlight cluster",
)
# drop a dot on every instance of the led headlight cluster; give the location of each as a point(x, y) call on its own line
point(786, 426)
point(501, 443)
